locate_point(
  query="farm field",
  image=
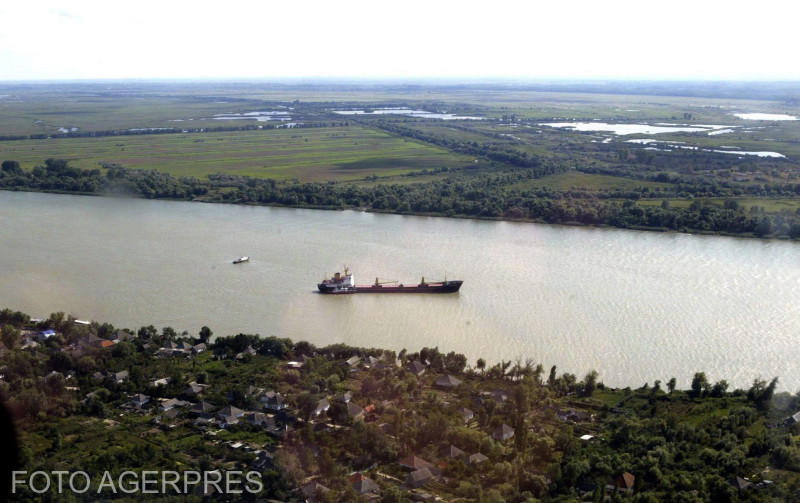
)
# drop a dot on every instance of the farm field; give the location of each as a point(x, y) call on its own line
point(307, 154)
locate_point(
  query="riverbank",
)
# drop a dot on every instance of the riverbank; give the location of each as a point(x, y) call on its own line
point(337, 423)
point(418, 199)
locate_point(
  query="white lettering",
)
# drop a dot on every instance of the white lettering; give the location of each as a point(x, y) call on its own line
point(135, 486)
point(187, 482)
point(146, 480)
point(72, 483)
point(257, 481)
point(231, 478)
point(17, 481)
point(173, 482)
point(215, 483)
point(107, 481)
point(46, 478)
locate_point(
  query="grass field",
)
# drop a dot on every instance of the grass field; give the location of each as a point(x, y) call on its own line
point(578, 180)
point(342, 153)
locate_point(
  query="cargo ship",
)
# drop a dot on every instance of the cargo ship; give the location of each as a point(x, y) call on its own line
point(345, 284)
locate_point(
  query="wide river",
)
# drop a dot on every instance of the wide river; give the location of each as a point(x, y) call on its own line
point(636, 306)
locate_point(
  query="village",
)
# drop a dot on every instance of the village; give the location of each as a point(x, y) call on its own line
point(351, 424)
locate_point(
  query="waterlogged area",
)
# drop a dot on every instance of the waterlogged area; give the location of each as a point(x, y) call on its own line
point(422, 114)
point(767, 117)
point(636, 306)
point(625, 129)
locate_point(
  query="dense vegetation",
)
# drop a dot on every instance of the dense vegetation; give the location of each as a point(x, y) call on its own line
point(678, 445)
point(458, 193)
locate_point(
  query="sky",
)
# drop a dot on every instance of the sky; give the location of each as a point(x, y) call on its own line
point(409, 39)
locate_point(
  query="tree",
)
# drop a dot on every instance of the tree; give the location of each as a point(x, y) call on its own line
point(551, 380)
point(12, 168)
point(590, 383)
point(481, 364)
point(205, 334)
point(10, 336)
point(699, 384)
point(671, 385)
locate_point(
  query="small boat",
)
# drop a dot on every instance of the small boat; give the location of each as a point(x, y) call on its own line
point(241, 259)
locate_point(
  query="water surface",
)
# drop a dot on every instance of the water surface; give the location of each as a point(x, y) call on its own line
point(636, 306)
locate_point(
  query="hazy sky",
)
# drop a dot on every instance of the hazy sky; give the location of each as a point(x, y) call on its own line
point(674, 39)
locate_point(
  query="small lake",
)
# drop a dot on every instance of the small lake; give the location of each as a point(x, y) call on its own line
point(424, 114)
point(767, 117)
point(625, 129)
point(636, 306)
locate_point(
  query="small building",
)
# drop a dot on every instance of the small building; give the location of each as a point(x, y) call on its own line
point(419, 478)
point(740, 484)
point(193, 390)
point(587, 438)
point(477, 458)
point(313, 491)
point(230, 411)
point(46, 334)
point(322, 406)
point(202, 409)
point(416, 367)
point(503, 432)
point(199, 348)
point(354, 412)
point(452, 452)
point(171, 404)
point(625, 482)
point(139, 400)
point(363, 485)
point(155, 383)
point(273, 400)
point(119, 377)
point(412, 463)
point(447, 382)
point(353, 361)
point(345, 397)
point(466, 414)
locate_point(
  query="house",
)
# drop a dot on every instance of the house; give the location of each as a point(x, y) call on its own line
point(313, 491)
point(416, 367)
point(412, 463)
point(45, 334)
point(138, 401)
point(202, 409)
point(477, 458)
point(253, 390)
point(353, 361)
point(503, 432)
point(121, 336)
point(199, 348)
point(249, 351)
point(447, 382)
point(363, 485)
point(273, 401)
point(354, 411)
point(587, 438)
point(159, 382)
point(345, 397)
point(419, 478)
point(98, 376)
point(261, 419)
point(171, 404)
point(499, 395)
point(793, 419)
point(740, 484)
point(227, 421)
point(295, 365)
point(625, 482)
point(119, 377)
point(322, 406)
point(263, 461)
point(452, 452)
point(194, 390)
point(230, 411)
point(466, 414)
point(371, 362)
